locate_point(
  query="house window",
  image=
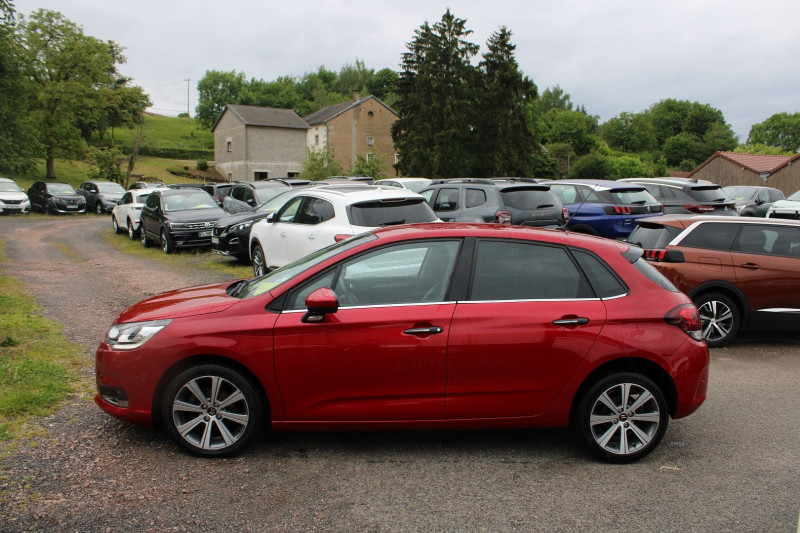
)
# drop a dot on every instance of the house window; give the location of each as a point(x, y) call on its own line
point(316, 140)
point(370, 114)
point(229, 145)
point(370, 156)
point(370, 141)
point(230, 176)
point(396, 158)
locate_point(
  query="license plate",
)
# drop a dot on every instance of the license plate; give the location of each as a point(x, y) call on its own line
point(205, 233)
point(214, 240)
point(72, 207)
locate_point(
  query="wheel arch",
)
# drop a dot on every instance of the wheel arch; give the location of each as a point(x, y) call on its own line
point(644, 367)
point(728, 289)
point(198, 360)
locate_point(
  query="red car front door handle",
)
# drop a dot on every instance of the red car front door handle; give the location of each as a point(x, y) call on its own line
point(577, 321)
point(751, 266)
point(433, 330)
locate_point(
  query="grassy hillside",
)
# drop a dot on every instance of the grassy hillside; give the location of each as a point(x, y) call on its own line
point(165, 135)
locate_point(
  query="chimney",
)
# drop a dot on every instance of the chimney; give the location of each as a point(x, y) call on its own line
point(356, 96)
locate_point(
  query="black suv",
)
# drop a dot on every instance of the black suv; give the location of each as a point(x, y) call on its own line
point(519, 201)
point(753, 200)
point(247, 196)
point(178, 218)
point(681, 196)
point(52, 197)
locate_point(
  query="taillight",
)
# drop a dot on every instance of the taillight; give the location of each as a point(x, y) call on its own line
point(502, 217)
point(617, 209)
point(698, 208)
point(565, 214)
point(655, 255)
point(686, 318)
point(665, 256)
point(340, 237)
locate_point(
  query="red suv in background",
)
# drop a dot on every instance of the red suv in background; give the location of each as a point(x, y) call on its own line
point(430, 326)
point(741, 272)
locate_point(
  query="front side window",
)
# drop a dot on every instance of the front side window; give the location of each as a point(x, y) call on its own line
point(446, 200)
point(152, 201)
point(417, 272)
point(127, 198)
point(288, 212)
point(507, 270)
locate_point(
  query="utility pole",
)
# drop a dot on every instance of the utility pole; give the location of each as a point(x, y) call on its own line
point(187, 99)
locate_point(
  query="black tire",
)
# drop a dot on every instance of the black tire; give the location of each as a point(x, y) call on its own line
point(146, 241)
point(132, 233)
point(622, 435)
point(207, 426)
point(166, 242)
point(259, 261)
point(720, 317)
point(114, 223)
point(98, 208)
point(46, 209)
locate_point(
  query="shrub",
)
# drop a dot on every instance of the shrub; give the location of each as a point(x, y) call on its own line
point(202, 164)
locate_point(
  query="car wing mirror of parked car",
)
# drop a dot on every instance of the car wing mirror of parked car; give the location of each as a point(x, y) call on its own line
point(270, 217)
point(319, 303)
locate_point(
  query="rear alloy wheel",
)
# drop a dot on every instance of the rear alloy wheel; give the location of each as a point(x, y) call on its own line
point(117, 229)
point(212, 410)
point(166, 242)
point(622, 417)
point(131, 231)
point(259, 261)
point(720, 317)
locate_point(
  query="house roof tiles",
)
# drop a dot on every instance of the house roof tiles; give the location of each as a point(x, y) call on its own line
point(755, 162)
point(266, 116)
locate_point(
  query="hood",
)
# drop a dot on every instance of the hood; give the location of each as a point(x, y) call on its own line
point(180, 303)
point(13, 195)
point(786, 203)
point(239, 218)
point(111, 195)
point(196, 215)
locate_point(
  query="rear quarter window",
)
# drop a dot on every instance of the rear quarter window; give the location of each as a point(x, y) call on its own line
point(650, 272)
point(603, 280)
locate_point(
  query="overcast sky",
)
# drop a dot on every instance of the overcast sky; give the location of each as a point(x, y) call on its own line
point(740, 56)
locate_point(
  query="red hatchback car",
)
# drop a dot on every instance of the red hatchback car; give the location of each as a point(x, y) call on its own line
point(434, 326)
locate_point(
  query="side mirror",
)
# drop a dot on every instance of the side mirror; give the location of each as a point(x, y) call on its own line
point(270, 218)
point(319, 303)
point(250, 201)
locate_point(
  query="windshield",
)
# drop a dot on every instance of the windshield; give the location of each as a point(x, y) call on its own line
point(416, 185)
point(9, 186)
point(60, 188)
point(110, 188)
point(710, 194)
point(188, 200)
point(795, 197)
point(272, 205)
point(740, 193)
point(273, 279)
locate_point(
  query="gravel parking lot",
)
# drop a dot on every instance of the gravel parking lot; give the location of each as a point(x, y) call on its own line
point(732, 466)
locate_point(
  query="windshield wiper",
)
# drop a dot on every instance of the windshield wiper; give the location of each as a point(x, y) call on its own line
point(237, 287)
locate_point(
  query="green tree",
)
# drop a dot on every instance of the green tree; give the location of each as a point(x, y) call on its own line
point(319, 164)
point(683, 147)
point(383, 83)
point(76, 84)
point(763, 149)
point(507, 146)
point(781, 129)
point(281, 93)
point(18, 135)
point(629, 132)
point(628, 166)
point(434, 133)
point(671, 117)
point(353, 78)
point(552, 98)
point(215, 90)
point(105, 164)
point(573, 127)
point(592, 165)
point(370, 166)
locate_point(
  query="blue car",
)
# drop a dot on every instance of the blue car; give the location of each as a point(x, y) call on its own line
point(604, 207)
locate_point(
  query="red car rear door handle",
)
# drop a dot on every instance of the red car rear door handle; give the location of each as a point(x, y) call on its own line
point(433, 330)
point(751, 266)
point(577, 321)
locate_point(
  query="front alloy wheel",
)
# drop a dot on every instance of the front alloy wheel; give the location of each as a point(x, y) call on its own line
point(166, 243)
point(720, 318)
point(146, 242)
point(622, 417)
point(131, 231)
point(114, 223)
point(259, 261)
point(212, 410)
point(98, 208)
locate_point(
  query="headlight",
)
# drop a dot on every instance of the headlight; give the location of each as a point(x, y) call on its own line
point(133, 334)
point(244, 225)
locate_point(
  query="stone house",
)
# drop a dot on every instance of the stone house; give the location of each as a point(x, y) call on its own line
point(729, 168)
point(361, 126)
point(255, 143)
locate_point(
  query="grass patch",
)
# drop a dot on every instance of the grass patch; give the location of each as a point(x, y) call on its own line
point(38, 366)
point(191, 258)
point(165, 132)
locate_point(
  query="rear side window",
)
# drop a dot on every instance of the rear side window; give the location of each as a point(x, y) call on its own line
point(650, 272)
point(603, 280)
point(651, 237)
point(772, 240)
point(474, 197)
point(446, 200)
point(527, 199)
point(389, 213)
point(314, 211)
point(507, 270)
point(711, 235)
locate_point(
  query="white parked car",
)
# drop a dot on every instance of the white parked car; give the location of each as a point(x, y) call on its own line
point(12, 198)
point(412, 184)
point(125, 215)
point(317, 217)
point(788, 208)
